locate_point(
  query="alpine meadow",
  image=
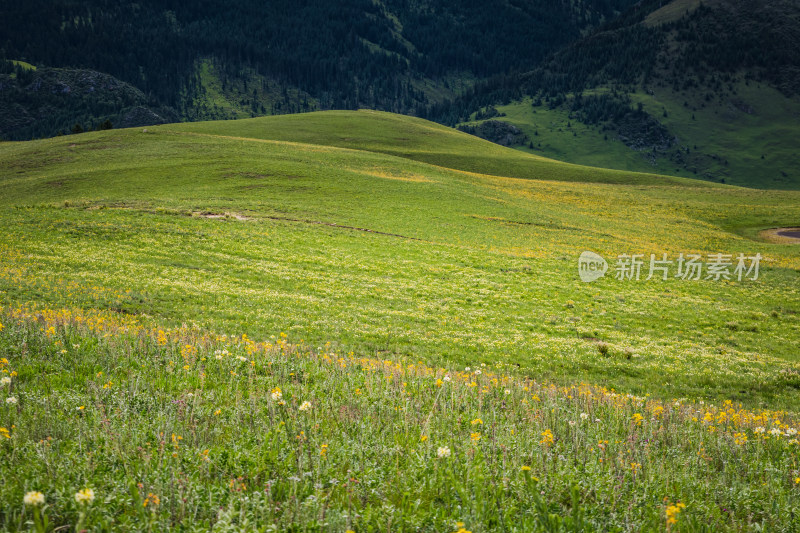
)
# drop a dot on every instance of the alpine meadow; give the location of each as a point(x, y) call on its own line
point(332, 317)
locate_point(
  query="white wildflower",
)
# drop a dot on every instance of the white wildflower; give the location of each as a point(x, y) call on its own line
point(33, 498)
point(84, 496)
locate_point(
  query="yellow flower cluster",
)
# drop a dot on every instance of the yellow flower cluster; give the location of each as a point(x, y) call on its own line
point(673, 511)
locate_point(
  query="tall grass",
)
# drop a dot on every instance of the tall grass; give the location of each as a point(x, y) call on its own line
point(187, 430)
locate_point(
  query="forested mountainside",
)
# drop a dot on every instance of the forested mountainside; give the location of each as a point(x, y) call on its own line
point(214, 59)
point(663, 79)
point(37, 102)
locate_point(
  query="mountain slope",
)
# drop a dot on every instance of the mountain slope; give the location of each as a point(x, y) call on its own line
point(698, 89)
point(45, 102)
point(287, 56)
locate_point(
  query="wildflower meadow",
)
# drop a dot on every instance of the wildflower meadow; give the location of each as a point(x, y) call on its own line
point(252, 326)
point(118, 426)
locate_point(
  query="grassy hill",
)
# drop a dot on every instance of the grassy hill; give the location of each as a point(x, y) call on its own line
point(517, 238)
point(170, 279)
point(418, 140)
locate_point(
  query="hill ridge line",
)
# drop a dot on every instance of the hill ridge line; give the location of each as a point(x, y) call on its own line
point(433, 165)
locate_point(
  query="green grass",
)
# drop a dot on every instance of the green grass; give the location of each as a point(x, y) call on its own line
point(181, 430)
point(456, 266)
point(353, 231)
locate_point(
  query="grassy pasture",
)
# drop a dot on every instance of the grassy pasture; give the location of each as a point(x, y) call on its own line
point(379, 238)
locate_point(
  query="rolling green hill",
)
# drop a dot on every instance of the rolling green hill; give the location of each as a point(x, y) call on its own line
point(391, 249)
point(351, 321)
point(418, 140)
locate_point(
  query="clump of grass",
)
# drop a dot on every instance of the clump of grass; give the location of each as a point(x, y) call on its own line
point(183, 428)
point(603, 348)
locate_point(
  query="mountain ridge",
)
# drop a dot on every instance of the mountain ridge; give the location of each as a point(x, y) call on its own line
point(659, 81)
point(281, 57)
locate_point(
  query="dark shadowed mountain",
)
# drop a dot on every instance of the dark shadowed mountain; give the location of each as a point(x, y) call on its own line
point(39, 102)
point(215, 59)
point(703, 89)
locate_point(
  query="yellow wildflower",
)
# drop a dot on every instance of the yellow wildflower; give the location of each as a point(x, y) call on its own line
point(673, 511)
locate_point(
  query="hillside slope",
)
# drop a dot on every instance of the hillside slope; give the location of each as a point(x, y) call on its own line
point(707, 90)
point(234, 316)
point(418, 140)
point(228, 59)
point(386, 254)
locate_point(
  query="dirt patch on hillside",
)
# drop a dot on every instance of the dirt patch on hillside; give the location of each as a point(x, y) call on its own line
point(781, 235)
